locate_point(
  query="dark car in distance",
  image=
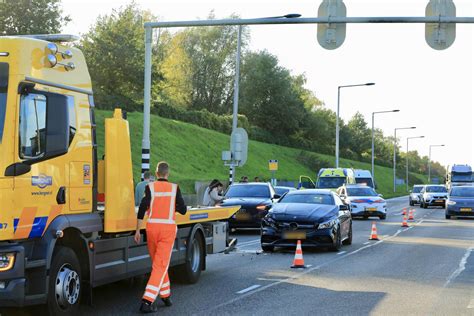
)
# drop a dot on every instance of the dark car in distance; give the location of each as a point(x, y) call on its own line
point(460, 202)
point(255, 199)
point(316, 217)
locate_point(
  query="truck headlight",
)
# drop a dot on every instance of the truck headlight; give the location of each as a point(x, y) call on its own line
point(327, 224)
point(451, 203)
point(6, 261)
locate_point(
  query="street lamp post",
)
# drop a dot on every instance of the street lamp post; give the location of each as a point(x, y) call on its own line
point(235, 109)
point(395, 156)
point(373, 138)
point(429, 162)
point(337, 119)
point(408, 138)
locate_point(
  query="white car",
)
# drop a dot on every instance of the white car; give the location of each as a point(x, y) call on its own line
point(363, 201)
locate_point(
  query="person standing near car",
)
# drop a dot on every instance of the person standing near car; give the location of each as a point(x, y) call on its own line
point(162, 199)
point(214, 196)
point(140, 188)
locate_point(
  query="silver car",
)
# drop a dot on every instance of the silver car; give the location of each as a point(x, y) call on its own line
point(415, 196)
point(433, 195)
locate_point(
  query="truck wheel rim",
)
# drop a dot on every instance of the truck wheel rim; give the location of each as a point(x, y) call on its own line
point(195, 260)
point(67, 287)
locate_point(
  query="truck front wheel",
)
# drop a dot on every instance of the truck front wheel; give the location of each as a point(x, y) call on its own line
point(64, 290)
point(190, 271)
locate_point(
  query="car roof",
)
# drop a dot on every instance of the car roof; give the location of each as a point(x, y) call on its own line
point(311, 191)
point(434, 185)
point(252, 183)
point(419, 185)
point(357, 186)
point(284, 187)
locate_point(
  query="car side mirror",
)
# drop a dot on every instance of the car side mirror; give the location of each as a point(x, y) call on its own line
point(344, 207)
point(276, 196)
point(381, 195)
point(17, 169)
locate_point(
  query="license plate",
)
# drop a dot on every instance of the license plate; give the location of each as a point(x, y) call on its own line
point(439, 201)
point(466, 209)
point(294, 235)
point(242, 216)
point(370, 209)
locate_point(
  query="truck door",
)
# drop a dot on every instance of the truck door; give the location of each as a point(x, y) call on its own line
point(6, 156)
point(43, 139)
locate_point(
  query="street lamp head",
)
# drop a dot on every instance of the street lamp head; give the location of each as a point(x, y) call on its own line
point(395, 110)
point(413, 127)
point(422, 136)
point(370, 84)
point(292, 15)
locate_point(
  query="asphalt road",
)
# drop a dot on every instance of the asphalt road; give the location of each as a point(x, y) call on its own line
point(426, 269)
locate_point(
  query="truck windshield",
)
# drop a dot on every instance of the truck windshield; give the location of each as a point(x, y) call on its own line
point(366, 181)
point(461, 177)
point(3, 108)
point(331, 182)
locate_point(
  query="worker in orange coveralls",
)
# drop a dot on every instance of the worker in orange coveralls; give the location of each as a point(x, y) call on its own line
point(162, 199)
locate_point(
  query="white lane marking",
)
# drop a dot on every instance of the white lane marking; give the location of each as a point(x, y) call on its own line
point(367, 242)
point(300, 274)
point(341, 252)
point(471, 304)
point(461, 267)
point(250, 288)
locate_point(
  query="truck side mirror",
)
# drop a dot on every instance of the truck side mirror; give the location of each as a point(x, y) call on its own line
point(57, 125)
point(17, 169)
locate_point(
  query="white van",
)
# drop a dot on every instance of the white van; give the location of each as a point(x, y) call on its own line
point(364, 177)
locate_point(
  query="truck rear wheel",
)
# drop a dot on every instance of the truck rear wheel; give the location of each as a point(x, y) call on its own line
point(190, 271)
point(64, 290)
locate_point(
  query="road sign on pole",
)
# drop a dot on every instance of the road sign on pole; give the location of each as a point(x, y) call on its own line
point(239, 146)
point(440, 36)
point(273, 165)
point(332, 35)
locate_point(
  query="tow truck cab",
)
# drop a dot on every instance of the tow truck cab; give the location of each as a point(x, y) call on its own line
point(56, 243)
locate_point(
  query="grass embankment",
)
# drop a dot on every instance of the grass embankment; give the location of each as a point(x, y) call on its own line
point(194, 153)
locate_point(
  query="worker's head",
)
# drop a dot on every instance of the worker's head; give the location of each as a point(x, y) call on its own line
point(162, 170)
point(146, 175)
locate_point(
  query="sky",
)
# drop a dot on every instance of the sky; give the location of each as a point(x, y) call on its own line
point(432, 89)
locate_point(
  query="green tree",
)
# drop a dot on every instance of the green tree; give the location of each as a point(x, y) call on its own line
point(115, 52)
point(268, 97)
point(21, 17)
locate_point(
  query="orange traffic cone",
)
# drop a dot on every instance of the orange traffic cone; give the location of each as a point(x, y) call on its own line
point(404, 211)
point(410, 216)
point(373, 234)
point(404, 223)
point(298, 262)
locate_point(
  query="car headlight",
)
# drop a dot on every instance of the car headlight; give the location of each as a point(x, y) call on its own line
point(429, 196)
point(269, 221)
point(327, 224)
point(451, 203)
point(6, 261)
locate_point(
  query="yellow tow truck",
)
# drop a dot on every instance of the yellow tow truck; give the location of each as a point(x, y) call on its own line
point(57, 242)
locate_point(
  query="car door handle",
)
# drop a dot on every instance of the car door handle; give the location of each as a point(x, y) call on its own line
point(61, 196)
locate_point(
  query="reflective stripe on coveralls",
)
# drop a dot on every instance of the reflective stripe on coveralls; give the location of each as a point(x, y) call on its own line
point(161, 233)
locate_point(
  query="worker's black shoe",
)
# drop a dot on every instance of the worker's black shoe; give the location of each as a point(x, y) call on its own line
point(148, 307)
point(167, 300)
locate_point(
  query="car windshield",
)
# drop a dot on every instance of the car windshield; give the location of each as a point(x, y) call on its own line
point(3, 108)
point(281, 191)
point(436, 189)
point(361, 192)
point(325, 199)
point(331, 182)
point(366, 181)
point(248, 190)
point(417, 189)
point(462, 192)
